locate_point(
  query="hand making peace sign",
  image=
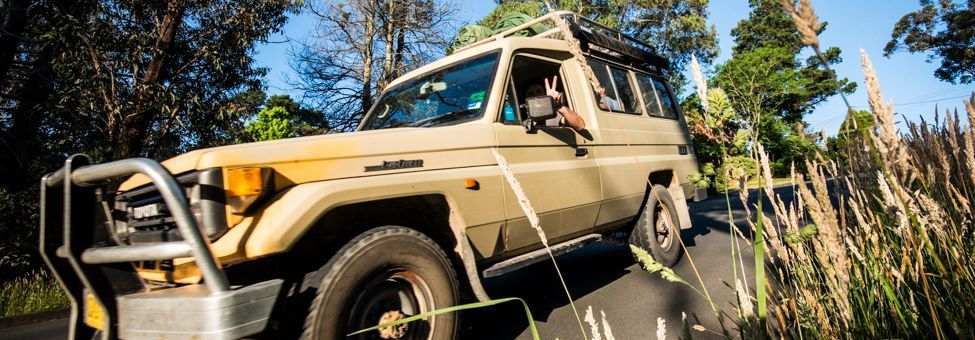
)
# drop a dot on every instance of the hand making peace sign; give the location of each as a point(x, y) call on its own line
point(551, 91)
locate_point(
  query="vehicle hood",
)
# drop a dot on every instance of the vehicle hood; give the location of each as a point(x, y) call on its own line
point(331, 156)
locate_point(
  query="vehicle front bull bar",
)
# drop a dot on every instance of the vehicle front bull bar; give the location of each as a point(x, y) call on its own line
point(76, 242)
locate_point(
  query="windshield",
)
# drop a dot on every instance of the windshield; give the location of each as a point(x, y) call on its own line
point(449, 96)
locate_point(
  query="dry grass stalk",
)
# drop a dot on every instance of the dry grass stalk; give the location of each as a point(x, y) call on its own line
point(805, 20)
point(887, 140)
point(702, 86)
point(576, 49)
point(529, 211)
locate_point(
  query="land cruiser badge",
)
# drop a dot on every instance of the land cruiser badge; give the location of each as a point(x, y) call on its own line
point(393, 165)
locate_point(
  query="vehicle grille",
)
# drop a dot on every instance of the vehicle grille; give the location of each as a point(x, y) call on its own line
point(141, 216)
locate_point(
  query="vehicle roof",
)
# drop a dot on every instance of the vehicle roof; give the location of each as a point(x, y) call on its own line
point(505, 43)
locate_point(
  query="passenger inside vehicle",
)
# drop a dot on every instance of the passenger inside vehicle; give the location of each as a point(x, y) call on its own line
point(533, 77)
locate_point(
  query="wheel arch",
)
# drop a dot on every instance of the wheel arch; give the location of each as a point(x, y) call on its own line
point(433, 214)
point(668, 179)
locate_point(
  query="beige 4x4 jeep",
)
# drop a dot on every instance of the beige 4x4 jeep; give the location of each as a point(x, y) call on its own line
point(326, 235)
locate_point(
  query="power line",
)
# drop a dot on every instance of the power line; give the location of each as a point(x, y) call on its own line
point(921, 102)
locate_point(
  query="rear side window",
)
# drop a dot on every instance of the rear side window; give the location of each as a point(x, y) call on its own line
point(666, 101)
point(621, 80)
point(618, 95)
point(656, 96)
point(649, 93)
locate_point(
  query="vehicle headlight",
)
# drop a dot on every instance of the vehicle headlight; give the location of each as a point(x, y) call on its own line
point(246, 186)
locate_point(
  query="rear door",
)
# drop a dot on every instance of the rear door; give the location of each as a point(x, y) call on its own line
point(640, 132)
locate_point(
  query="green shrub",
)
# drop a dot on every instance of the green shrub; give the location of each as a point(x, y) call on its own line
point(18, 225)
point(733, 169)
point(34, 292)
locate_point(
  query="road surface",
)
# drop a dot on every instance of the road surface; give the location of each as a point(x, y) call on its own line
point(602, 277)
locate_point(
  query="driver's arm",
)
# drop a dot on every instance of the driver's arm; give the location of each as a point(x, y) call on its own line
point(571, 118)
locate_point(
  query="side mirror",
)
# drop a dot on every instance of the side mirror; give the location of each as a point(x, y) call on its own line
point(540, 108)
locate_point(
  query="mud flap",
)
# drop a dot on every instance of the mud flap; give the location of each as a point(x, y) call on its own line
point(680, 203)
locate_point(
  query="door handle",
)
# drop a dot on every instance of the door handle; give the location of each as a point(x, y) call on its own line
point(582, 152)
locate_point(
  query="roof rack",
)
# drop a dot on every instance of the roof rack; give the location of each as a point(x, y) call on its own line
point(593, 36)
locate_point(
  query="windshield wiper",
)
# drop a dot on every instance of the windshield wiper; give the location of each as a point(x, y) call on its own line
point(432, 121)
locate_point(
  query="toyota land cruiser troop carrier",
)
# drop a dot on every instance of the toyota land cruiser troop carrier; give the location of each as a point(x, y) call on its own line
point(326, 235)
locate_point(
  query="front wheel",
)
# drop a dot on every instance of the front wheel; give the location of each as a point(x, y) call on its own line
point(656, 228)
point(383, 275)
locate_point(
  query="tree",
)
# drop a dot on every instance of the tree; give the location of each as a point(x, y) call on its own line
point(771, 87)
point(944, 30)
point(836, 146)
point(531, 8)
point(305, 121)
point(120, 79)
point(272, 123)
point(768, 45)
point(676, 29)
point(170, 78)
point(358, 47)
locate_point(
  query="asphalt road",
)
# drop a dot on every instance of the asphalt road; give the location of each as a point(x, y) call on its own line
point(606, 278)
point(603, 277)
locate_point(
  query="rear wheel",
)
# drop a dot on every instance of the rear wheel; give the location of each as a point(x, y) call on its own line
point(656, 228)
point(383, 275)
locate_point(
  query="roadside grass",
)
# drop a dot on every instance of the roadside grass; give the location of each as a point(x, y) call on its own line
point(887, 251)
point(34, 292)
point(755, 183)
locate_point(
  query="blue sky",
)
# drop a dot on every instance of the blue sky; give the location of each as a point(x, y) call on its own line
point(906, 79)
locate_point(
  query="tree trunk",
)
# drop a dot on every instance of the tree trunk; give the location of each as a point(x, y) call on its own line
point(367, 55)
point(389, 28)
point(131, 135)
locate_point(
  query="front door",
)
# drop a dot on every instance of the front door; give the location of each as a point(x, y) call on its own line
point(554, 165)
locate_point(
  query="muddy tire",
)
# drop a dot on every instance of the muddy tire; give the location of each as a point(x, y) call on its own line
point(657, 227)
point(385, 273)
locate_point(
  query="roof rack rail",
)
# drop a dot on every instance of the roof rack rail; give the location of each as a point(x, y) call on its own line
point(593, 36)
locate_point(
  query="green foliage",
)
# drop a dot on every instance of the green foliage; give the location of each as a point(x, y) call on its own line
point(531, 8)
point(116, 80)
point(31, 293)
point(803, 235)
point(306, 121)
point(715, 130)
point(732, 169)
point(767, 26)
point(786, 144)
point(675, 29)
point(765, 75)
point(18, 225)
point(703, 178)
point(272, 123)
point(944, 30)
point(763, 91)
point(837, 145)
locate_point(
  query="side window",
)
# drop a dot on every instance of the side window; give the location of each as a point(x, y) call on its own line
point(527, 79)
point(649, 94)
point(666, 102)
point(619, 91)
point(621, 80)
